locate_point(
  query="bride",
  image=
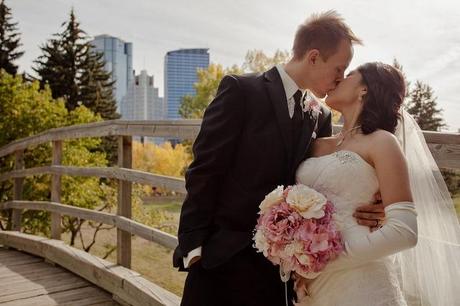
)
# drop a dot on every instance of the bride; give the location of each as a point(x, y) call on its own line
point(412, 259)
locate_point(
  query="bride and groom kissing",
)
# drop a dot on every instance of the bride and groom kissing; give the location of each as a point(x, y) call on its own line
point(265, 130)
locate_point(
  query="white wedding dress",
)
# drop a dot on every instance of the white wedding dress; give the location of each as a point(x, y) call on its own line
point(348, 181)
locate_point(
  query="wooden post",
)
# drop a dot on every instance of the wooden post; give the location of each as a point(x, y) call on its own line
point(124, 201)
point(18, 188)
point(56, 191)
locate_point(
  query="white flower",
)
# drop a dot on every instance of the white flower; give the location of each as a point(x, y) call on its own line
point(308, 202)
point(293, 249)
point(273, 198)
point(261, 242)
point(311, 104)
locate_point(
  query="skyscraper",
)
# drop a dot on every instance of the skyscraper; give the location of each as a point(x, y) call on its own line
point(142, 101)
point(118, 56)
point(180, 75)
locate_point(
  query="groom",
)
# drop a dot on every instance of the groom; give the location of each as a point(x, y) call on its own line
point(253, 137)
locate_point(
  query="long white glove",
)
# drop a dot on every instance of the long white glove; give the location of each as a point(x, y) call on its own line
point(399, 233)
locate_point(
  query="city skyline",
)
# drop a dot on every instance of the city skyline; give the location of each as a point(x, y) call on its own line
point(424, 37)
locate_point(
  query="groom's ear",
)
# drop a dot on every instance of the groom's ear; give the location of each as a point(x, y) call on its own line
point(312, 56)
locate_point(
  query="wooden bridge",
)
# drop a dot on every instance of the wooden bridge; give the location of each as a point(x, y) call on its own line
point(37, 270)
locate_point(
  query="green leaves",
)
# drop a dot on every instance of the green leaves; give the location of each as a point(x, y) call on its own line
point(27, 110)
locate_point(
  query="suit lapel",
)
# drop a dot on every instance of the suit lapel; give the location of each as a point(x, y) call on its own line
point(277, 96)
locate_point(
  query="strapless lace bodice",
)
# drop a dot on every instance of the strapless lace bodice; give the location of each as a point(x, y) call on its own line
point(348, 181)
point(345, 178)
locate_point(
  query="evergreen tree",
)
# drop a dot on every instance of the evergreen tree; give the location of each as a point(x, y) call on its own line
point(9, 40)
point(75, 72)
point(97, 87)
point(421, 103)
point(422, 106)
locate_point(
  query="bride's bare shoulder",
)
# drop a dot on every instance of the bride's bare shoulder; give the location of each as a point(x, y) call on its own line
point(383, 137)
point(382, 142)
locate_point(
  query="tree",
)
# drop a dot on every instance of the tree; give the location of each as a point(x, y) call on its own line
point(9, 40)
point(97, 87)
point(258, 61)
point(26, 110)
point(421, 103)
point(161, 159)
point(75, 72)
point(422, 106)
point(193, 107)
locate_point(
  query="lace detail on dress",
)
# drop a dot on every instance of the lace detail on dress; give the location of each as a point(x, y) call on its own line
point(348, 181)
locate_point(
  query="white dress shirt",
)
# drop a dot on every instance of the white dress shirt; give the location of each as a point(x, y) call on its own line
point(290, 88)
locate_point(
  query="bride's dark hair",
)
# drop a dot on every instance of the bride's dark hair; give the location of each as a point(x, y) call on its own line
point(386, 89)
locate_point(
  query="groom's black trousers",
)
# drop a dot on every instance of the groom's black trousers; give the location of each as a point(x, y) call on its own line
point(247, 279)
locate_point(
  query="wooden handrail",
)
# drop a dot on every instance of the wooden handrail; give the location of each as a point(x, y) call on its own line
point(177, 129)
point(151, 234)
point(188, 129)
point(136, 176)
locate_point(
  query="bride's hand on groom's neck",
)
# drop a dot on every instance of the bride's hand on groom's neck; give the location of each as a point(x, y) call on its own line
point(371, 215)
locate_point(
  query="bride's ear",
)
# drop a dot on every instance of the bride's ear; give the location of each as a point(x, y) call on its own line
point(363, 93)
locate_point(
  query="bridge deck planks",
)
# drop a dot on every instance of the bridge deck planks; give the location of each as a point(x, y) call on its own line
point(29, 280)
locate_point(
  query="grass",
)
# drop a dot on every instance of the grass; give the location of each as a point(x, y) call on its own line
point(172, 207)
point(153, 261)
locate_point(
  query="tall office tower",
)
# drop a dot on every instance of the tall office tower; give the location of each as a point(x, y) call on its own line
point(118, 56)
point(180, 75)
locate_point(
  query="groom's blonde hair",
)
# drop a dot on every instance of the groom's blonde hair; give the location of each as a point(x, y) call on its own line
point(323, 32)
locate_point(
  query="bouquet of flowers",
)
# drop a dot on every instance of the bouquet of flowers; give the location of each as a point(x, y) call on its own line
point(296, 231)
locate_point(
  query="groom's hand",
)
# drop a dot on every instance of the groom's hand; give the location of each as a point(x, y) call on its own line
point(194, 260)
point(371, 215)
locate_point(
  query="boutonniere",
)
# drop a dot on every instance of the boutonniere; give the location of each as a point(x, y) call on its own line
point(311, 105)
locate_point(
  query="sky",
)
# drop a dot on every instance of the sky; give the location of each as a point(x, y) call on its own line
point(423, 35)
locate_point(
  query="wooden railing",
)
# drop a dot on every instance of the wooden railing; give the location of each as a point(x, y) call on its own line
point(187, 129)
point(444, 146)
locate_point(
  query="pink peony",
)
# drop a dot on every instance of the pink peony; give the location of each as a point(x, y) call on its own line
point(280, 223)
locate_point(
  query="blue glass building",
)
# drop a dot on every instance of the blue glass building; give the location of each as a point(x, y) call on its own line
point(180, 75)
point(118, 56)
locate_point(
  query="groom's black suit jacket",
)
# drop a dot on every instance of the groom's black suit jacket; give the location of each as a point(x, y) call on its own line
point(243, 151)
